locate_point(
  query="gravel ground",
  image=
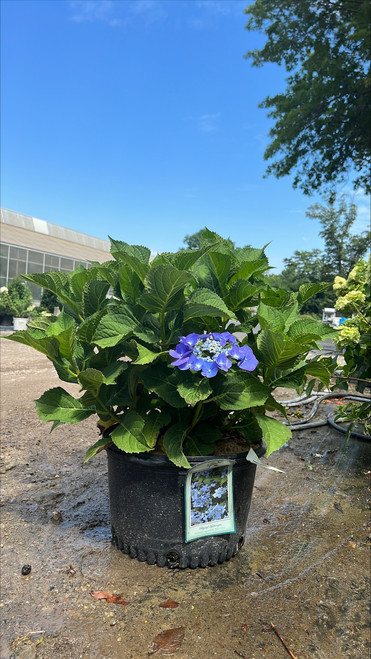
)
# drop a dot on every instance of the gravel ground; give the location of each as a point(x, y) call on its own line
point(304, 566)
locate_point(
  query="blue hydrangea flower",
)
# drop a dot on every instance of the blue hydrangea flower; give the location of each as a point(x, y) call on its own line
point(210, 353)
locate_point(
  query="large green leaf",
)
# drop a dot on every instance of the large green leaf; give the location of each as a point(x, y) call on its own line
point(278, 351)
point(92, 450)
point(221, 267)
point(204, 302)
point(294, 378)
point(86, 329)
point(56, 282)
point(154, 422)
point(130, 282)
point(145, 356)
point(173, 443)
point(128, 435)
point(64, 330)
point(115, 326)
point(158, 380)
point(304, 327)
point(306, 291)
point(120, 250)
point(91, 379)
point(58, 405)
point(193, 388)
point(79, 278)
point(239, 392)
point(46, 345)
point(274, 432)
point(319, 370)
point(277, 320)
point(240, 294)
point(94, 296)
point(249, 268)
point(164, 288)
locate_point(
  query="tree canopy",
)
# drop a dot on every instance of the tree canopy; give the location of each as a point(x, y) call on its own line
point(322, 128)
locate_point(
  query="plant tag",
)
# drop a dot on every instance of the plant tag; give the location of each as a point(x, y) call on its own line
point(209, 506)
point(252, 457)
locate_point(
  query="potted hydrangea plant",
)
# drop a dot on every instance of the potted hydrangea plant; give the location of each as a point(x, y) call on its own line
point(16, 301)
point(179, 358)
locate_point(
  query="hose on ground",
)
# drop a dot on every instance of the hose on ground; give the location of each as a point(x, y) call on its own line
point(319, 398)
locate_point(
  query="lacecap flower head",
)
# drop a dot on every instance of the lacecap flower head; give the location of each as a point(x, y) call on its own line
point(210, 353)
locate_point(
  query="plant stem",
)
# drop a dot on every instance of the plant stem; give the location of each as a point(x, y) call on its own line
point(196, 415)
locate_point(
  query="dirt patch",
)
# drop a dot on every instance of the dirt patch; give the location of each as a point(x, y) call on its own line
point(304, 566)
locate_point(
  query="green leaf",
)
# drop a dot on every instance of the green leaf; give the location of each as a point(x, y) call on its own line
point(164, 288)
point(79, 278)
point(64, 330)
point(120, 250)
point(193, 388)
point(56, 282)
point(249, 268)
point(306, 291)
point(53, 281)
point(92, 450)
point(128, 435)
point(112, 371)
point(91, 379)
point(239, 392)
point(58, 405)
point(130, 282)
point(173, 442)
point(307, 327)
point(277, 320)
point(292, 379)
point(274, 432)
point(114, 327)
point(158, 380)
point(85, 331)
point(318, 370)
point(221, 266)
point(46, 345)
point(94, 296)
point(278, 351)
point(145, 356)
point(240, 294)
point(154, 422)
point(204, 302)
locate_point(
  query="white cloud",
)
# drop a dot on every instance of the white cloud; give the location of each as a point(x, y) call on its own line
point(208, 123)
point(223, 7)
point(116, 13)
point(83, 11)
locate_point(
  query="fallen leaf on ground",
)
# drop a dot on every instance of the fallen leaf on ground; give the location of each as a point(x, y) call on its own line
point(169, 604)
point(168, 642)
point(109, 597)
point(338, 507)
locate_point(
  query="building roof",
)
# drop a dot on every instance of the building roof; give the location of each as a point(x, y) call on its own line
point(26, 231)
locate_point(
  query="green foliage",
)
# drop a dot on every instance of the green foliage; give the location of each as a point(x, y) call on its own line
point(342, 250)
point(354, 336)
point(116, 349)
point(322, 127)
point(16, 300)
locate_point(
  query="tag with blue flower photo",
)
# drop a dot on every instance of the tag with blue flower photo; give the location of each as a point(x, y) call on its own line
point(209, 500)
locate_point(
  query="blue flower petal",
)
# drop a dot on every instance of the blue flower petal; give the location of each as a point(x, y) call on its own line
point(223, 362)
point(209, 369)
point(195, 363)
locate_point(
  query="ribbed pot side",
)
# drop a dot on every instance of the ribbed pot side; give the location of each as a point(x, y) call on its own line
point(148, 510)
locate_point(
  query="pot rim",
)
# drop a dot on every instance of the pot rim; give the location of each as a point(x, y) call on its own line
point(159, 459)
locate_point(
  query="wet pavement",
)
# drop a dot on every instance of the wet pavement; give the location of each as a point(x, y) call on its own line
point(304, 567)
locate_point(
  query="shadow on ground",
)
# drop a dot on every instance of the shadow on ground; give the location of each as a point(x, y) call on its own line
point(304, 566)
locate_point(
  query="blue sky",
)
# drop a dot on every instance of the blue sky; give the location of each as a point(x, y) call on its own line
point(140, 119)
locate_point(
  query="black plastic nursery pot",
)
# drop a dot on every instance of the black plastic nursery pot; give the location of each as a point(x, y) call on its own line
point(148, 518)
